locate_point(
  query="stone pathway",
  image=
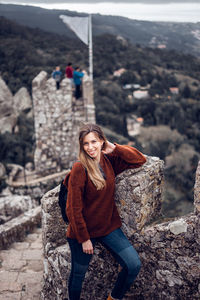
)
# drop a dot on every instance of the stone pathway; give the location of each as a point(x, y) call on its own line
point(21, 269)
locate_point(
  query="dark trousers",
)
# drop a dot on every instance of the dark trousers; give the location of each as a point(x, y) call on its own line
point(57, 85)
point(120, 247)
point(78, 91)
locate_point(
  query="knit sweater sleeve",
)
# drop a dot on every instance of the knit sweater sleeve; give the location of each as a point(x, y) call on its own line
point(125, 157)
point(74, 209)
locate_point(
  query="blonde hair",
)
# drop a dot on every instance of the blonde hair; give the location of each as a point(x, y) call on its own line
point(89, 163)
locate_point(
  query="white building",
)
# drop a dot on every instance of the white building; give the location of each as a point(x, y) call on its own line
point(140, 94)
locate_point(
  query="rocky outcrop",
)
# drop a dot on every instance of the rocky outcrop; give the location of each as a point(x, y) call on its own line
point(57, 119)
point(138, 195)
point(22, 102)
point(2, 171)
point(11, 107)
point(8, 117)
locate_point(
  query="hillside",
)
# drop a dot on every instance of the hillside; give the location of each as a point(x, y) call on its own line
point(184, 37)
point(171, 122)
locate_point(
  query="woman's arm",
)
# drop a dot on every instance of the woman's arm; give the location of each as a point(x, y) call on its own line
point(75, 201)
point(123, 157)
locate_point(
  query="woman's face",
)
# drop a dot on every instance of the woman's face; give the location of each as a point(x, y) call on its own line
point(92, 145)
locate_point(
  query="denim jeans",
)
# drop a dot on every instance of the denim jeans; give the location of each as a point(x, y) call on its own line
point(120, 247)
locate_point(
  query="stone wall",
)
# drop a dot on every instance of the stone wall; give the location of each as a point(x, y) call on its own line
point(37, 187)
point(169, 251)
point(57, 119)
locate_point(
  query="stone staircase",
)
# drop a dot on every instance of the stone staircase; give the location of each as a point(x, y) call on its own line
point(21, 269)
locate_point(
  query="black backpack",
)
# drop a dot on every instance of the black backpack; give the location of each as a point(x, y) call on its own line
point(62, 199)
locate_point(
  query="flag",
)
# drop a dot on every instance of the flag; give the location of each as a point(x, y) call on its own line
point(79, 25)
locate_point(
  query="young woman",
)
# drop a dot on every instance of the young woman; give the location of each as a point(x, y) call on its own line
point(91, 210)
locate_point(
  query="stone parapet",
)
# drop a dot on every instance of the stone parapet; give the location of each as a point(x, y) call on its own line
point(138, 189)
point(36, 187)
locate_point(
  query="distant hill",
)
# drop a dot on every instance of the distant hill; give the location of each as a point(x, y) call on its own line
point(184, 37)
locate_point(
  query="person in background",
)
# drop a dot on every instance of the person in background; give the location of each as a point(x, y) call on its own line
point(77, 76)
point(57, 74)
point(92, 212)
point(69, 73)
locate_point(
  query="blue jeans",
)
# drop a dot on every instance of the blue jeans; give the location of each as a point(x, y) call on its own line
point(120, 247)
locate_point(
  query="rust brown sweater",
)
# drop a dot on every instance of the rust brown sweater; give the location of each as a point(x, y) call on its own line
point(96, 214)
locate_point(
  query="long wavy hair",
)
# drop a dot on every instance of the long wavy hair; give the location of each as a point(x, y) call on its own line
point(88, 162)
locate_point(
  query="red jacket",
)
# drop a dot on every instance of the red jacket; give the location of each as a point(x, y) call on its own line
point(69, 72)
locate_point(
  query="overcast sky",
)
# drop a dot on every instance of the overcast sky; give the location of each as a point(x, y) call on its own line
point(152, 10)
point(100, 1)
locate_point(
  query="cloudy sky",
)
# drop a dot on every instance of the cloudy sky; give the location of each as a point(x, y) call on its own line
point(153, 10)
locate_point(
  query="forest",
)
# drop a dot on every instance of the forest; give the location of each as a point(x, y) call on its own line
point(171, 127)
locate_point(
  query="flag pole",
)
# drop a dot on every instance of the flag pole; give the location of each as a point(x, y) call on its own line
point(90, 49)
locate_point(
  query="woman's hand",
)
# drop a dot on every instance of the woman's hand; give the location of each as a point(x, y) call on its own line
point(88, 247)
point(109, 147)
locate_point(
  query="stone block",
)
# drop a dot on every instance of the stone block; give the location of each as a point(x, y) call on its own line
point(9, 281)
point(11, 296)
point(178, 226)
point(32, 254)
point(35, 266)
point(20, 246)
point(13, 264)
